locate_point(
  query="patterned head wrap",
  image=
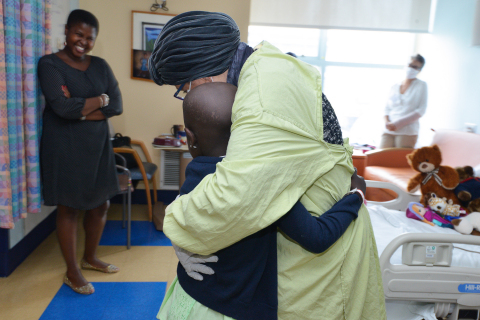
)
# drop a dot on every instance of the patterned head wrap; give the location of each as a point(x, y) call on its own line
point(194, 45)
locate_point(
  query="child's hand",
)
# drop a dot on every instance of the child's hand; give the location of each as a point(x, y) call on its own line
point(358, 182)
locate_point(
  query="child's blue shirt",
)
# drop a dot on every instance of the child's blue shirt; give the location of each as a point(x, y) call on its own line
point(244, 285)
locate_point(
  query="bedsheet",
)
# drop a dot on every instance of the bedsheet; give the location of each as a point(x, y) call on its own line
point(387, 225)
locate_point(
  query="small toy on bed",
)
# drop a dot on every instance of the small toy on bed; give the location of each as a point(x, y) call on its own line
point(468, 190)
point(442, 206)
point(469, 224)
point(432, 177)
point(437, 204)
point(418, 212)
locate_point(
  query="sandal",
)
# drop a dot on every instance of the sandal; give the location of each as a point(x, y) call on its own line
point(108, 269)
point(86, 289)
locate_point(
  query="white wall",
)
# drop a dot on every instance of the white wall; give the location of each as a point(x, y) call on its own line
point(60, 11)
point(452, 69)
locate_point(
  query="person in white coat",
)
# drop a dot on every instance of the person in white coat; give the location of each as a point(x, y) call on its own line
point(407, 102)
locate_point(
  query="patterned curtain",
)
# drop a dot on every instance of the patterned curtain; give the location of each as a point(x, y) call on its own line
point(24, 38)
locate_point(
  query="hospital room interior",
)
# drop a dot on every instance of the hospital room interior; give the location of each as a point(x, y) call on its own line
point(399, 79)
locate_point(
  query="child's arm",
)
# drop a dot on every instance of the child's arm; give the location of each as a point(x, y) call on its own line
point(317, 234)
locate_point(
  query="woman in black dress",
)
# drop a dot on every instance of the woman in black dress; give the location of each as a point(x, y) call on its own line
point(77, 160)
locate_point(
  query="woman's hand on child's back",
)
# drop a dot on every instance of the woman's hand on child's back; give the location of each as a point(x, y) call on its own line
point(194, 264)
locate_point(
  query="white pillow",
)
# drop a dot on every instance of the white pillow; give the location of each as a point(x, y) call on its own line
point(476, 171)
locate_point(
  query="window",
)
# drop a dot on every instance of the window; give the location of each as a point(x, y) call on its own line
point(301, 41)
point(369, 47)
point(358, 69)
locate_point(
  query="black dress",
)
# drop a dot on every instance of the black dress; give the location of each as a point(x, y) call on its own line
point(76, 156)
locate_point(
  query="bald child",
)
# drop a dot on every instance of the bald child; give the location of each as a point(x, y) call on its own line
point(244, 285)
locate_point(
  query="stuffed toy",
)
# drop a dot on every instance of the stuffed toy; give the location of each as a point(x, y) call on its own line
point(437, 204)
point(442, 206)
point(432, 177)
point(452, 210)
point(468, 190)
point(469, 224)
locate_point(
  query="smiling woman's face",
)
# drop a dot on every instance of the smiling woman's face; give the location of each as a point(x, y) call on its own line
point(80, 39)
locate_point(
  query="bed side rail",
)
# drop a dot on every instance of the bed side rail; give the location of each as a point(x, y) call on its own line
point(430, 283)
point(400, 203)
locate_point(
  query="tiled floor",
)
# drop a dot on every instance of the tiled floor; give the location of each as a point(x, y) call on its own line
point(35, 288)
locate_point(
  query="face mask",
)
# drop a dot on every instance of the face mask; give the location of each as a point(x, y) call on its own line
point(411, 73)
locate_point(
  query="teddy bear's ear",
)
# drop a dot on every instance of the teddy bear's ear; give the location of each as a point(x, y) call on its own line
point(410, 159)
point(435, 147)
point(469, 171)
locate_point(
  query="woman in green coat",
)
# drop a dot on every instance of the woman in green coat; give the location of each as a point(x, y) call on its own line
point(285, 145)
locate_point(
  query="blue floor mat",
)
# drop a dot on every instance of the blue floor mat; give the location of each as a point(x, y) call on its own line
point(143, 234)
point(111, 300)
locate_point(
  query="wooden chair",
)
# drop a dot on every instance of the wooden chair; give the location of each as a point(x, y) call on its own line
point(145, 171)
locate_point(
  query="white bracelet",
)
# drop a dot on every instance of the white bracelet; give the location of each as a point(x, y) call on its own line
point(360, 192)
point(83, 118)
point(363, 196)
point(106, 98)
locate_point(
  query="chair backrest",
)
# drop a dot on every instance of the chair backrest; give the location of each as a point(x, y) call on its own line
point(124, 175)
point(458, 148)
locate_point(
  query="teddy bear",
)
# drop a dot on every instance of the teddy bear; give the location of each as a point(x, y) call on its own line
point(443, 206)
point(469, 224)
point(431, 176)
point(468, 190)
point(435, 203)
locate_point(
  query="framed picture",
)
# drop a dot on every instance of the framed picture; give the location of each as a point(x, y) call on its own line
point(150, 32)
point(140, 64)
point(146, 26)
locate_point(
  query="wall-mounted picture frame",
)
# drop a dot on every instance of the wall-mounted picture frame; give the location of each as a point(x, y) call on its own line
point(140, 64)
point(146, 26)
point(150, 32)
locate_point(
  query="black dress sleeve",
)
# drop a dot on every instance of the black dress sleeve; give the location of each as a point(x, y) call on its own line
point(317, 234)
point(115, 106)
point(51, 82)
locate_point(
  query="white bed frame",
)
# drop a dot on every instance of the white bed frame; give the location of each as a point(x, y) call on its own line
point(428, 283)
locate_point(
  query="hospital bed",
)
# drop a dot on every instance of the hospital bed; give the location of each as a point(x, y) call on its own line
point(427, 271)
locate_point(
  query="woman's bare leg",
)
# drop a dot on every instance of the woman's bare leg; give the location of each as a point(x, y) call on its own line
point(67, 237)
point(93, 224)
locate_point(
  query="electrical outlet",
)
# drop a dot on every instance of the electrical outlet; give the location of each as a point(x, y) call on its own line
point(470, 127)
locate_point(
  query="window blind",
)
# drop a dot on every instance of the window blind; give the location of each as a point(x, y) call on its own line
point(476, 25)
point(389, 15)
